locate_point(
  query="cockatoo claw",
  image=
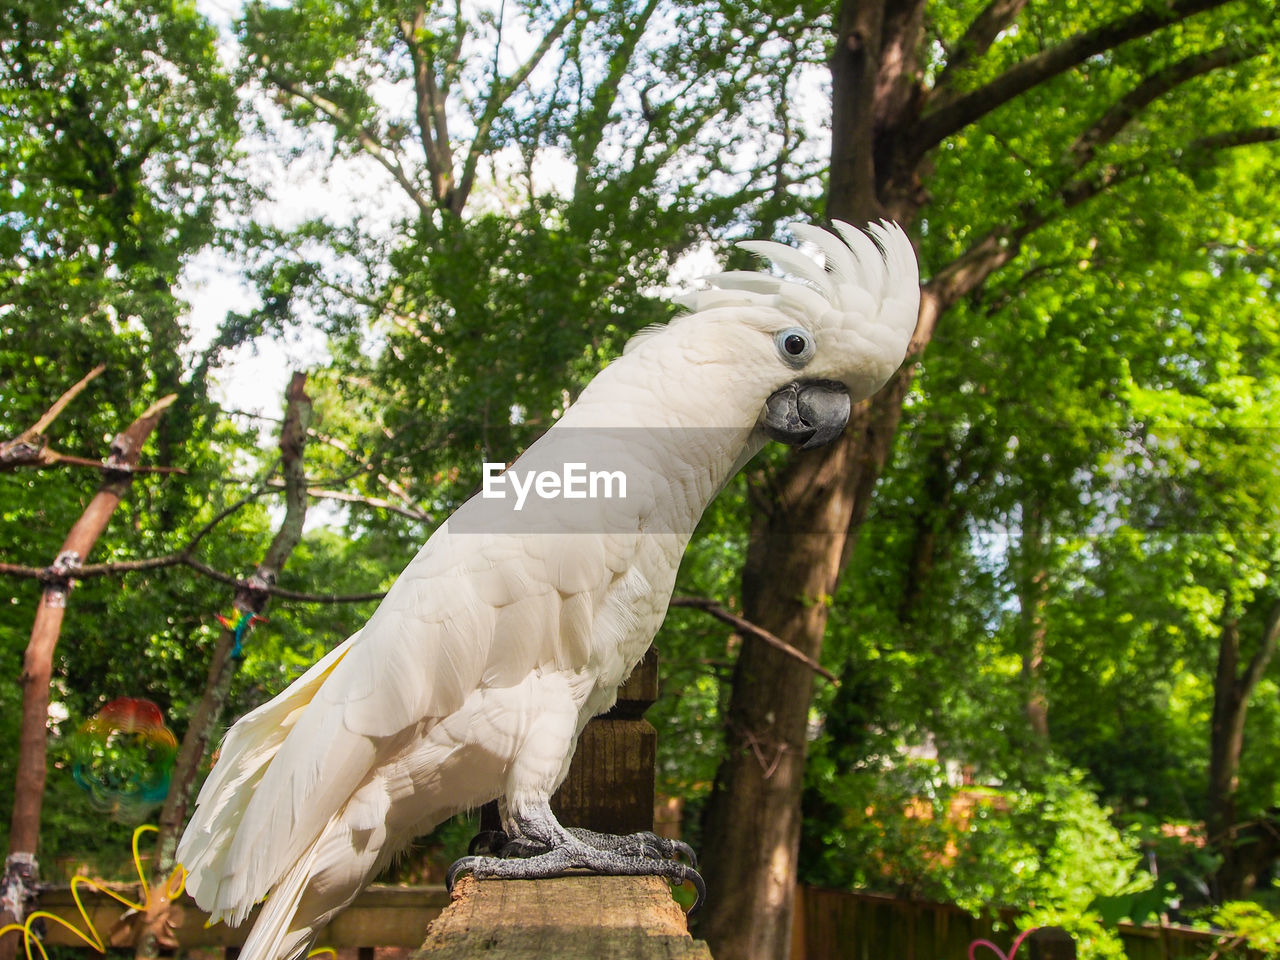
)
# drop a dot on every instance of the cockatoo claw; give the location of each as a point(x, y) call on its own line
point(461, 865)
point(643, 844)
point(521, 848)
point(684, 850)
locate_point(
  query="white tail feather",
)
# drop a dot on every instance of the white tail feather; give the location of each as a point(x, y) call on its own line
point(244, 758)
point(272, 934)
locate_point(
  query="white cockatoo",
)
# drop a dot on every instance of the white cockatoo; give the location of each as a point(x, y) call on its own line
point(520, 617)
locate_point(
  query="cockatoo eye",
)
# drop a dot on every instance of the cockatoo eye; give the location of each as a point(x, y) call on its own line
point(795, 346)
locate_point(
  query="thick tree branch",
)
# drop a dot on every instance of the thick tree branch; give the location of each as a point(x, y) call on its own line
point(1118, 116)
point(37, 666)
point(975, 42)
point(293, 438)
point(595, 115)
point(251, 598)
point(954, 116)
point(744, 625)
point(1266, 650)
point(1229, 139)
point(429, 105)
point(1000, 245)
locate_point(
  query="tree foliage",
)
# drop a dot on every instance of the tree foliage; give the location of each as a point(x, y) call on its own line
point(1060, 579)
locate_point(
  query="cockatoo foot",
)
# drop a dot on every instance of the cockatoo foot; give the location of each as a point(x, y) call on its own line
point(643, 844)
point(578, 855)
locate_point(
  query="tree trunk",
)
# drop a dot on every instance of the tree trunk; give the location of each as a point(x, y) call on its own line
point(797, 551)
point(251, 598)
point(21, 867)
point(1232, 689)
point(796, 555)
point(885, 122)
point(1033, 584)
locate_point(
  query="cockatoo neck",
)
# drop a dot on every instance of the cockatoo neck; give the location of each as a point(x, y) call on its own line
point(681, 426)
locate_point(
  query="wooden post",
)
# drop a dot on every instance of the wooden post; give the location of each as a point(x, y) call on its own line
point(605, 918)
point(610, 786)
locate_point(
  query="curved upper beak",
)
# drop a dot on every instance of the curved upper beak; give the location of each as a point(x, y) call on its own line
point(807, 412)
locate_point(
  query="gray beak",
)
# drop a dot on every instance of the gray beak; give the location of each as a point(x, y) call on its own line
point(807, 412)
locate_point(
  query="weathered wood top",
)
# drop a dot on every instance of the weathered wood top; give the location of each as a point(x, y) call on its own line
point(593, 918)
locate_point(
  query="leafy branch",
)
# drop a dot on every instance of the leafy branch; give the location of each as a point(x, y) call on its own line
point(954, 111)
point(998, 15)
point(1001, 244)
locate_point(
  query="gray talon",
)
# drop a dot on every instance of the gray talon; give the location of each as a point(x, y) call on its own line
point(458, 866)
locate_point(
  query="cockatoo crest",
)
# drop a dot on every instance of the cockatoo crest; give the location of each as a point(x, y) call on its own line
point(867, 291)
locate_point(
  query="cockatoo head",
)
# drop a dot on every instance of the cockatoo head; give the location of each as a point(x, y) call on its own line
point(811, 344)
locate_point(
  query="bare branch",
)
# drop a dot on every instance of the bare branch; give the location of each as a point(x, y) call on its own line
point(223, 514)
point(743, 625)
point(31, 447)
point(378, 503)
point(119, 568)
point(386, 158)
point(298, 596)
point(955, 115)
point(499, 93)
point(89, 571)
point(61, 403)
point(14, 454)
point(395, 488)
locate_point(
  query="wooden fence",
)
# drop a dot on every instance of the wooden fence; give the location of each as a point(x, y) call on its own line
point(836, 925)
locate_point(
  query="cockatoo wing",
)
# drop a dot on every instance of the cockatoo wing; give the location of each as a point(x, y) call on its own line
point(469, 611)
